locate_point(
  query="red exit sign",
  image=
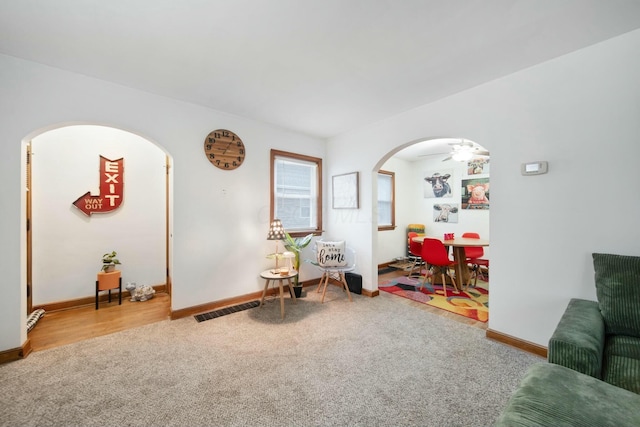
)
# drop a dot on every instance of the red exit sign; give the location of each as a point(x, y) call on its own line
point(111, 189)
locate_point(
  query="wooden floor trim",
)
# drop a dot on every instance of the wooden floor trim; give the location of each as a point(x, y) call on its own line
point(527, 346)
point(81, 302)
point(215, 305)
point(114, 317)
point(16, 353)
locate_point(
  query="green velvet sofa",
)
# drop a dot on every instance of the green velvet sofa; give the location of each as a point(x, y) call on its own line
point(592, 377)
point(555, 396)
point(602, 339)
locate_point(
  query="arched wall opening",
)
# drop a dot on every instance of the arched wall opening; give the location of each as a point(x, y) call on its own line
point(67, 242)
point(414, 205)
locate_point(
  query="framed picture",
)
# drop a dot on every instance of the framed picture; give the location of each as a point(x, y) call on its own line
point(477, 166)
point(475, 193)
point(445, 212)
point(436, 184)
point(345, 191)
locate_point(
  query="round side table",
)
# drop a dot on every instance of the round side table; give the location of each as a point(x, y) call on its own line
point(269, 277)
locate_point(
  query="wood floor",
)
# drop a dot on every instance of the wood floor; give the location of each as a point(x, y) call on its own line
point(57, 328)
point(63, 327)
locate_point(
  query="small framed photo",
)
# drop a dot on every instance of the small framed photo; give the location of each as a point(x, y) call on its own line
point(345, 191)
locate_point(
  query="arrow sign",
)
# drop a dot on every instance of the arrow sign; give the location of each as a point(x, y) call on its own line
point(111, 189)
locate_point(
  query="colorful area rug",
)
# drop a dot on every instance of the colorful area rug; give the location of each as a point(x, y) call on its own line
point(472, 303)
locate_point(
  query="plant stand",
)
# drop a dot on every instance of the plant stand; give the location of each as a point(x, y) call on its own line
point(108, 281)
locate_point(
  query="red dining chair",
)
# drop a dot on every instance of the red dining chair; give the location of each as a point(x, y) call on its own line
point(473, 255)
point(435, 254)
point(415, 255)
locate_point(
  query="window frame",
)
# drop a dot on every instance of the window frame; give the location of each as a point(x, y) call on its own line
point(319, 195)
point(391, 226)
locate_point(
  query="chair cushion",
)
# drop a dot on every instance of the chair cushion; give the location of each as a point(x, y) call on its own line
point(621, 365)
point(618, 289)
point(331, 254)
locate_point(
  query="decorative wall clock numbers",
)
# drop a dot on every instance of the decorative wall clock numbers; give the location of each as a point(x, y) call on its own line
point(224, 149)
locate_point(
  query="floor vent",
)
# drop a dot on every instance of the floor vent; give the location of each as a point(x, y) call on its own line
point(227, 310)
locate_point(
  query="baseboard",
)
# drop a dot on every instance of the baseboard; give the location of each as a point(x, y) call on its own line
point(80, 302)
point(215, 305)
point(386, 264)
point(16, 353)
point(527, 346)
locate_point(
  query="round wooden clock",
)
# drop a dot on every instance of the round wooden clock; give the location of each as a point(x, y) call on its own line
point(224, 149)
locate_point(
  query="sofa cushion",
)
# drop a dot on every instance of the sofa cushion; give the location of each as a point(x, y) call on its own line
point(621, 366)
point(579, 338)
point(618, 289)
point(552, 395)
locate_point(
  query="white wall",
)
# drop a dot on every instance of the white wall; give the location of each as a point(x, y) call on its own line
point(475, 220)
point(68, 245)
point(220, 218)
point(413, 207)
point(580, 113)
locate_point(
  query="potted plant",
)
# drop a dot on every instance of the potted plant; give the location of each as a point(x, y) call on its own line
point(296, 245)
point(109, 262)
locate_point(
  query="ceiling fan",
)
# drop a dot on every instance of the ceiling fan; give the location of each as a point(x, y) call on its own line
point(465, 150)
point(460, 150)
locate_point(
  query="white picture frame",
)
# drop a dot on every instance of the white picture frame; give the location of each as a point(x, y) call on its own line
point(345, 191)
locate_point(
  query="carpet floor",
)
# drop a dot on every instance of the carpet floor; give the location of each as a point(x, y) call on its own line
point(472, 302)
point(371, 362)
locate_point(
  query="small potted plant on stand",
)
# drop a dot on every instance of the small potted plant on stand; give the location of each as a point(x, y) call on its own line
point(109, 262)
point(296, 245)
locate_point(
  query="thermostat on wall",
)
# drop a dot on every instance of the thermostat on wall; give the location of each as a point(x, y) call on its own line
point(534, 168)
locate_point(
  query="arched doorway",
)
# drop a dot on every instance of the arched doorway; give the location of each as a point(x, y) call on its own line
point(65, 241)
point(415, 202)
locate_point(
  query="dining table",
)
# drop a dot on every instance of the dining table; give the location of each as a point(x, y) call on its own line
point(458, 244)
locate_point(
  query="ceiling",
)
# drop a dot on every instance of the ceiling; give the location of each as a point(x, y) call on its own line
point(319, 67)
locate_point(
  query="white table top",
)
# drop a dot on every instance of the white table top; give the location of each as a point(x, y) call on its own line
point(267, 274)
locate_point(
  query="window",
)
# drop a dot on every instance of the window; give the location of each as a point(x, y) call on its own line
point(296, 192)
point(386, 200)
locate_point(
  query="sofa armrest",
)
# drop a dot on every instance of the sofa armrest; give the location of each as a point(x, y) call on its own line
point(578, 340)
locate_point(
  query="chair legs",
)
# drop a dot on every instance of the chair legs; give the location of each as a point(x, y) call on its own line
point(477, 271)
point(426, 274)
point(417, 263)
point(324, 282)
point(443, 272)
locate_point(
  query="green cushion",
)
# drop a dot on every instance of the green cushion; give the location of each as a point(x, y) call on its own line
point(618, 289)
point(552, 395)
point(621, 365)
point(578, 340)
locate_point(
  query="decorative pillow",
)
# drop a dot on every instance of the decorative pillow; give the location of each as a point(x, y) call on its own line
point(618, 290)
point(331, 254)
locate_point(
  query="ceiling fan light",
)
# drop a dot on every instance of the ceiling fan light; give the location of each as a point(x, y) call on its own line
point(462, 155)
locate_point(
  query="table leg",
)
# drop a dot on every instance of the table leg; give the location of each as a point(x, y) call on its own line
point(462, 270)
point(281, 298)
point(291, 292)
point(264, 292)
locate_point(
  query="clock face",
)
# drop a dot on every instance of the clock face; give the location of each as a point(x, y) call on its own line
point(224, 149)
